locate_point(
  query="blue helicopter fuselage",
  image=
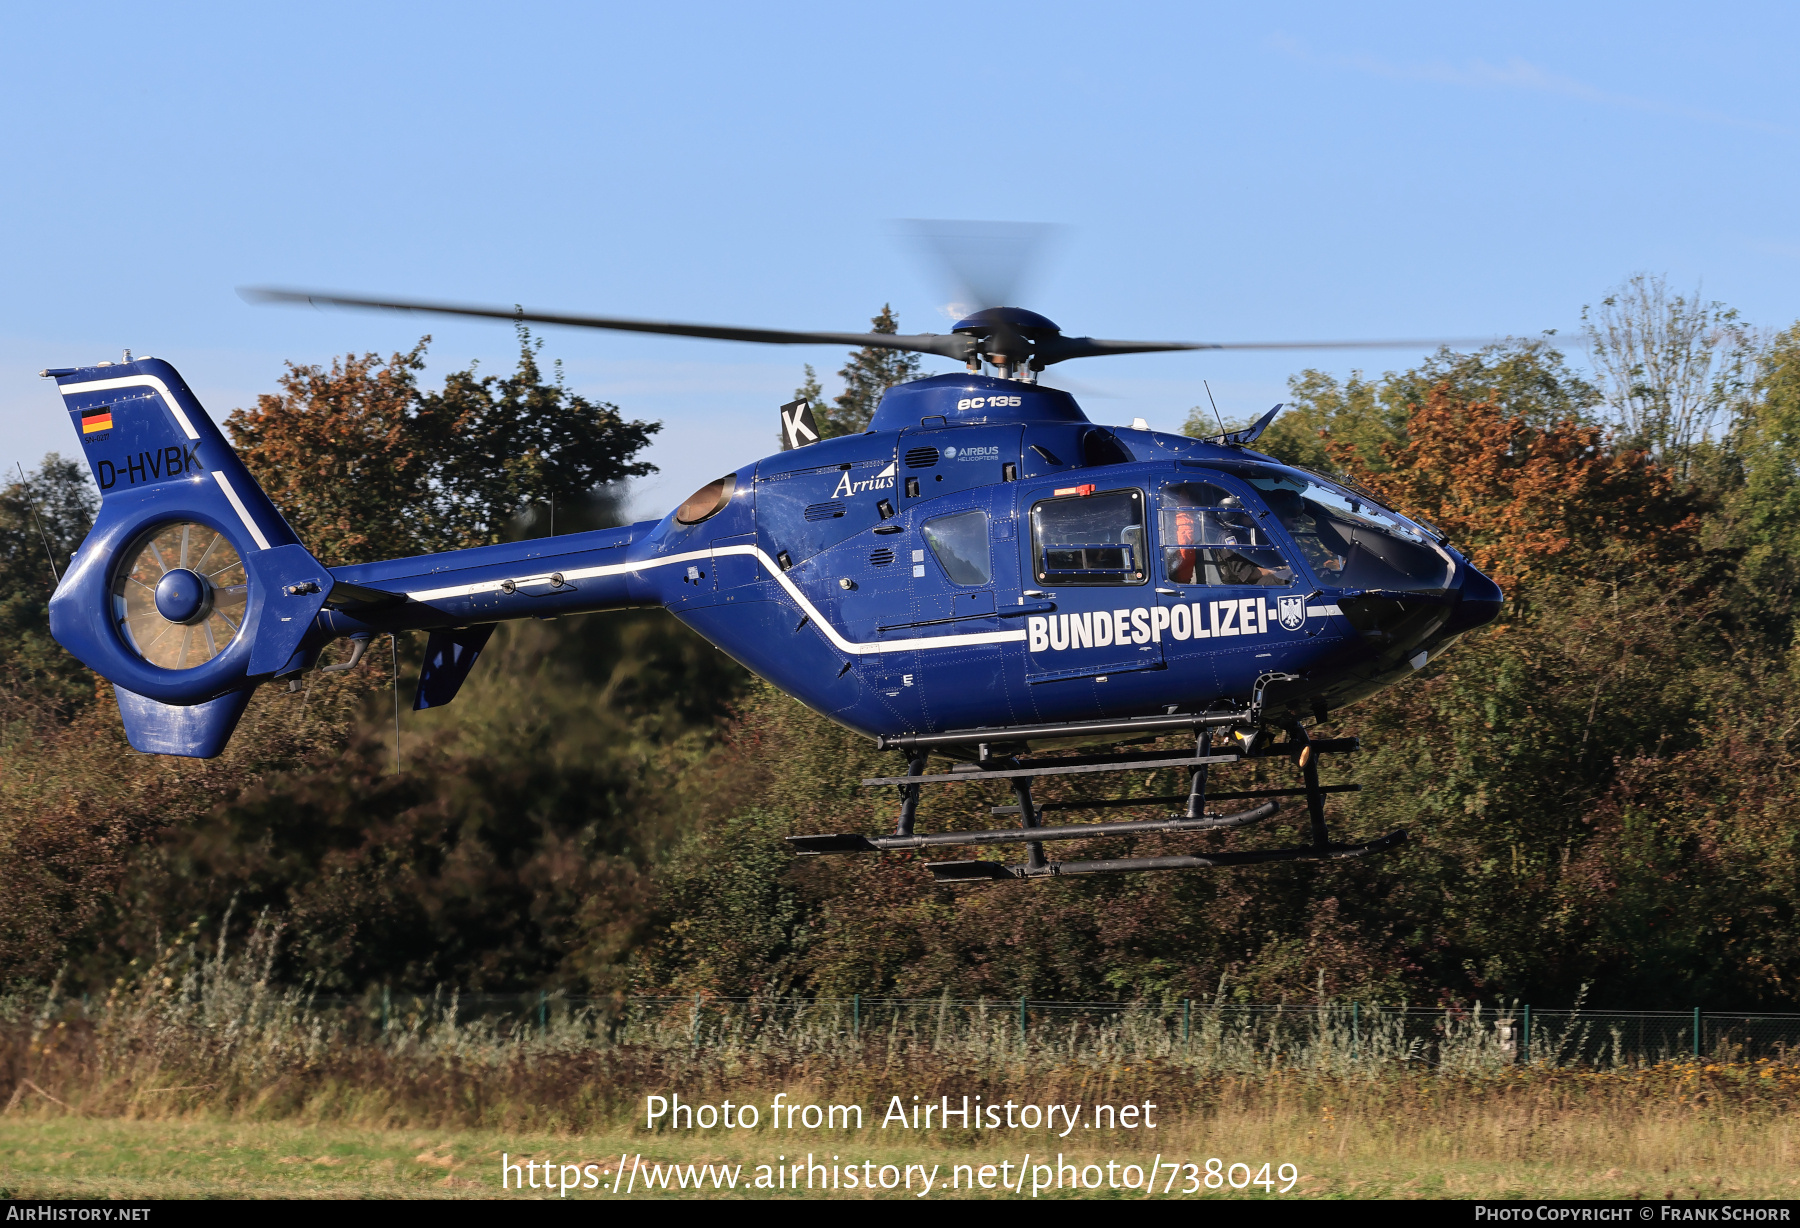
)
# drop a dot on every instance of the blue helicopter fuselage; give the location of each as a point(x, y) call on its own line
point(982, 557)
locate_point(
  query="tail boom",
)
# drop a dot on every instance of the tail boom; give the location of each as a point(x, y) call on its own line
point(191, 589)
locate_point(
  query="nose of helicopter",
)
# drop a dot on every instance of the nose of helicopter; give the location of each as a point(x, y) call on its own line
point(1478, 601)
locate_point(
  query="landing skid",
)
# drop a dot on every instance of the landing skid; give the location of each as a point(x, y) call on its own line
point(1020, 771)
point(980, 871)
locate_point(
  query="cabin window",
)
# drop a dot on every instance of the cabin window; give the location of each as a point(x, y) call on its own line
point(960, 543)
point(1090, 539)
point(1210, 537)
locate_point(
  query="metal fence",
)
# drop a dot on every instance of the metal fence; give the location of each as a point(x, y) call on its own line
point(1219, 1034)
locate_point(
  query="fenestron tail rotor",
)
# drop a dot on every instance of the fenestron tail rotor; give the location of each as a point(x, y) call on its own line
point(179, 595)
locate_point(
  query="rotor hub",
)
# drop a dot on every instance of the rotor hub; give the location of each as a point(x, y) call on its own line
point(1026, 323)
point(1008, 337)
point(184, 597)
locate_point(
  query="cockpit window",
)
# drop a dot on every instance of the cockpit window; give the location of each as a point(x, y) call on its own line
point(1349, 539)
point(1090, 539)
point(1209, 537)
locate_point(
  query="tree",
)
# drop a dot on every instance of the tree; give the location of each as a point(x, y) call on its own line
point(1673, 365)
point(1528, 501)
point(366, 465)
point(505, 443)
point(343, 454)
point(43, 518)
point(1318, 407)
point(1523, 378)
point(1765, 509)
point(869, 373)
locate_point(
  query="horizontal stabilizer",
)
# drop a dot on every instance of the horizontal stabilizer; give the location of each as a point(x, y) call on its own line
point(344, 596)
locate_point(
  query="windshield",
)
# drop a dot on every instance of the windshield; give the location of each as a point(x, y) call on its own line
point(1348, 539)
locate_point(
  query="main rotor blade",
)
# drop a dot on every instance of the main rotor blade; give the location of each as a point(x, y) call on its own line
point(947, 346)
point(1061, 349)
point(961, 348)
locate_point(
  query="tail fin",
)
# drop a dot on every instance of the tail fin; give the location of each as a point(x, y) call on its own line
point(191, 589)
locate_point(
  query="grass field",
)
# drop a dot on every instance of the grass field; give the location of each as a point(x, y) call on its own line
point(1336, 1157)
point(202, 1080)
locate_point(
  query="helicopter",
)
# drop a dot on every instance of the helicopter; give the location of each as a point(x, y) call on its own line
point(984, 575)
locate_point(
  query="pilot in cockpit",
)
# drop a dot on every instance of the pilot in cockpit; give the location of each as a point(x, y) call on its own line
point(1323, 547)
point(1210, 538)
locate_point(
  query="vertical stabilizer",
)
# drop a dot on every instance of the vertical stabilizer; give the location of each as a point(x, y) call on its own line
point(191, 589)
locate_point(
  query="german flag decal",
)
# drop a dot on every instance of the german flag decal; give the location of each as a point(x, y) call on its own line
point(93, 420)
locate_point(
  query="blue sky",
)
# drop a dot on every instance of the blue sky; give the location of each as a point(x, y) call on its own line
point(1222, 172)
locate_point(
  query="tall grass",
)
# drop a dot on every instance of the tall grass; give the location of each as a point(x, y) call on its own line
point(207, 1032)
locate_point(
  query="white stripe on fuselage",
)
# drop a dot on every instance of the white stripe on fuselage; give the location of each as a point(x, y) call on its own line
point(243, 512)
point(140, 381)
point(807, 607)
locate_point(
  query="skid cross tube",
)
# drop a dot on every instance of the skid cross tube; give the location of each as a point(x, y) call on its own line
point(1196, 802)
point(1034, 850)
point(1308, 760)
point(1031, 834)
point(909, 795)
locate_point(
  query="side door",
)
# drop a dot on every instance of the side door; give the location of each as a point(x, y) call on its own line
point(1086, 550)
point(1226, 582)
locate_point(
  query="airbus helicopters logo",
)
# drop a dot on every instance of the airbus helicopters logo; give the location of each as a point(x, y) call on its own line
point(881, 481)
point(972, 454)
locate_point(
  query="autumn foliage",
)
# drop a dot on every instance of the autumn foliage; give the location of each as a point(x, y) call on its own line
point(368, 465)
point(1603, 796)
point(1528, 502)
